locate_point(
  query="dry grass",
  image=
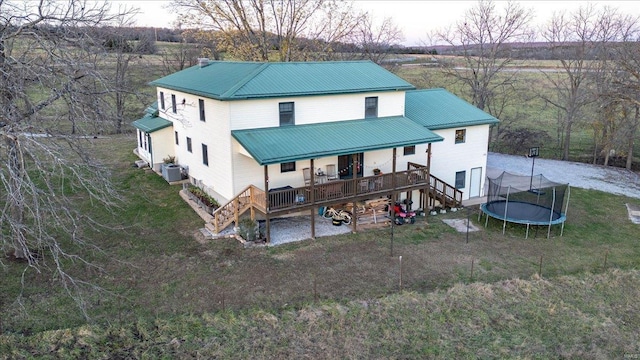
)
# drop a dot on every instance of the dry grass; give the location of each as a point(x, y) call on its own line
point(156, 272)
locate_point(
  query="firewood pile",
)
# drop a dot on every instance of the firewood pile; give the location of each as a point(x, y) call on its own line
point(371, 211)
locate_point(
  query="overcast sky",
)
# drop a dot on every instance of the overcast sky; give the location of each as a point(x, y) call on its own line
point(416, 18)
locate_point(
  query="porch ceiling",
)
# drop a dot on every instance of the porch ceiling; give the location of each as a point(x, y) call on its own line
point(301, 142)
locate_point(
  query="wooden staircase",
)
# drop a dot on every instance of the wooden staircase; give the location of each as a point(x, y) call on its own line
point(251, 198)
point(447, 195)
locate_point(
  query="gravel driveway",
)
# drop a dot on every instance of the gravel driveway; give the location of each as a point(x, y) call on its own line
point(586, 176)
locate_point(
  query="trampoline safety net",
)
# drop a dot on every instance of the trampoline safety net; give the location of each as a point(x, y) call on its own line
point(525, 199)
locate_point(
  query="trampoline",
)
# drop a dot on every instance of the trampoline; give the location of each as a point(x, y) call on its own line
point(526, 200)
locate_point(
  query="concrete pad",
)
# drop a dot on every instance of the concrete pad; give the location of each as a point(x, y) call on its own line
point(634, 213)
point(460, 225)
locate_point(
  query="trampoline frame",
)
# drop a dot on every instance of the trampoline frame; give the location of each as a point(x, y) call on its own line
point(560, 220)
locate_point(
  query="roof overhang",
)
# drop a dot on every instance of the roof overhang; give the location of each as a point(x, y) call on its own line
point(302, 142)
point(150, 124)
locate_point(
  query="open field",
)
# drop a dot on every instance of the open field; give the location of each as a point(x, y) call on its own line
point(154, 271)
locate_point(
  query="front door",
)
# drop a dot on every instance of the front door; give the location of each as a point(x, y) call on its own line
point(351, 164)
point(476, 179)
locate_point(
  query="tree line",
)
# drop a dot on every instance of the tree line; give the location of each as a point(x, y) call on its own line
point(595, 86)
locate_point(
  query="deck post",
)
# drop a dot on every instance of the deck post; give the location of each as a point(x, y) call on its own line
point(354, 218)
point(266, 204)
point(393, 197)
point(312, 201)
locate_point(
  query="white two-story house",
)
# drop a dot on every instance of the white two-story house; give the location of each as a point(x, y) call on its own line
point(313, 133)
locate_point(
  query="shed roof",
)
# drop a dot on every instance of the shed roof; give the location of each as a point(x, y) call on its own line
point(301, 142)
point(440, 109)
point(225, 80)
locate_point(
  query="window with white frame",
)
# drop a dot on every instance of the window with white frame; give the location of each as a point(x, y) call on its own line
point(174, 106)
point(409, 150)
point(189, 149)
point(161, 100)
point(176, 135)
point(461, 135)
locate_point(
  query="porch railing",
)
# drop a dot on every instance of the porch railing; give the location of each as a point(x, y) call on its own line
point(250, 198)
point(333, 191)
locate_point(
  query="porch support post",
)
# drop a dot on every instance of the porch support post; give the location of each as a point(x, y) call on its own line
point(428, 189)
point(354, 217)
point(393, 197)
point(312, 200)
point(266, 203)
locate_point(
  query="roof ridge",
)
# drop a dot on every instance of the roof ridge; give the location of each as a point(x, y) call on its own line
point(245, 80)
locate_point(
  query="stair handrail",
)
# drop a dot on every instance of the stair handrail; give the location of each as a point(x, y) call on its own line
point(236, 207)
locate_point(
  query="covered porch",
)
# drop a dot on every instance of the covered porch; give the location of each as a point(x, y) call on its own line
point(315, 141)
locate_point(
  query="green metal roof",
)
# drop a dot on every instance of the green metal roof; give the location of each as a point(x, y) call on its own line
point(300, 142)
point(440, 109)
point(150, 124)
point(152, 110)
point(224, 80)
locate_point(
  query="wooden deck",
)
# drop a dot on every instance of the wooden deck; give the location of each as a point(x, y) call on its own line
point(283, 201)
point(342, 191)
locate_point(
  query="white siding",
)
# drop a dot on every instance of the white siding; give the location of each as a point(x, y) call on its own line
point(250, 114)
point(449, 157)
point(229, 171)
point(161, 146)
point(213, 132)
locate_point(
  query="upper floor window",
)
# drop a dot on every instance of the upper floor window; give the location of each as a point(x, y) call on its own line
point(371, 107)
point(189, 149)
point(461, 135)
point(460, 176)
point(161, 100)
point(174, 106)
point(286, 113)
point(409, 150)
point(201, 107)
point(205, 154)
point(288, 166)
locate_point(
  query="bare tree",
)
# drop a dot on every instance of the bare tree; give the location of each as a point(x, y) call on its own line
point(186, 53)
point(44, 68)
point(121, 54)
point(483, 38)
point(626, 85)
point(252, 30)
point(574, 40)
point(375, 41)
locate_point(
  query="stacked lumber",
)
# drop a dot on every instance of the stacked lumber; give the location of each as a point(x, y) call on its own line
point(372, 211)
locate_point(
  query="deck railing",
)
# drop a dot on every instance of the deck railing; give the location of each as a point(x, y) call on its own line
point(253, 198)
point(249, 198)
point(333, 191)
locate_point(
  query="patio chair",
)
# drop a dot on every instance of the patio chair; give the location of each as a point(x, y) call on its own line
point(334, 190)
point(306, 172)
point(364, 185)
point(331, 172)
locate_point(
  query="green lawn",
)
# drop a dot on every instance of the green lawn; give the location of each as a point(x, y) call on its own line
point(155, 275)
